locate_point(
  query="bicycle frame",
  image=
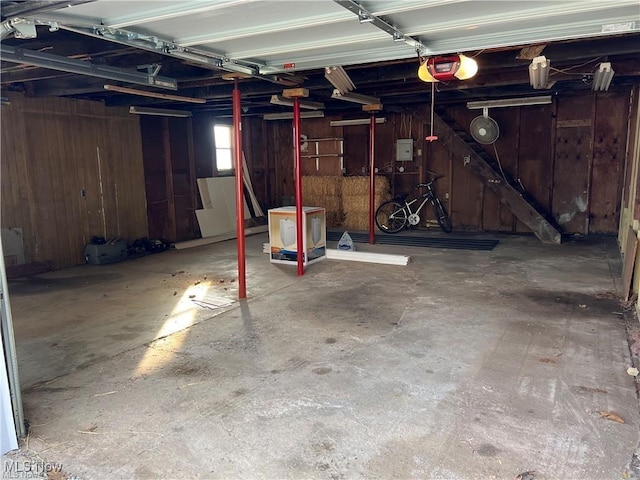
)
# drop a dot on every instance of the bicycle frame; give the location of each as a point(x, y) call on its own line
point(426, 197)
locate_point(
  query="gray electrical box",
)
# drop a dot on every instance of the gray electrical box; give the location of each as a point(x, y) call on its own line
point(404, 150)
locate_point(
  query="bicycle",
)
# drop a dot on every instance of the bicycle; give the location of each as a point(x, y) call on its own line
point(396, 214)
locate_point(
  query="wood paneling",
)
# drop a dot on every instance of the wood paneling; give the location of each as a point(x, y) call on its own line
point(535, 157)
point(70, 170)
point(495, 215)
point(572, 164)
point(169, 168)
point(280, 148)
point(609, 144)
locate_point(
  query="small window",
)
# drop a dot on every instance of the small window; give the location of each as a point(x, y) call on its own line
point(223, 135)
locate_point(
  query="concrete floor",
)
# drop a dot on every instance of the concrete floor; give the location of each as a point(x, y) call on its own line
point(462, 365)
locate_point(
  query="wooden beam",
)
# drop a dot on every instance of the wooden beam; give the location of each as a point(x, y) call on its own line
point(295, 92)
point(375, 107)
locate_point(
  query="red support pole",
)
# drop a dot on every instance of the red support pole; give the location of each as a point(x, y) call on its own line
point(298, 183)
point(372, 178)
point(237, 150)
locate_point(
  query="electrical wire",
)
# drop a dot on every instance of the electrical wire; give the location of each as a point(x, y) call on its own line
point(504, 177)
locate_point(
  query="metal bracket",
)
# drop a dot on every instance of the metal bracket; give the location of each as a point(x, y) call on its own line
point(366, 16)
point(81, 67)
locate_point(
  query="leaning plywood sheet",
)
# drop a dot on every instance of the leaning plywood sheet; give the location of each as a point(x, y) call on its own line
point(629, 261)
point(12, 246)
point(218, 197)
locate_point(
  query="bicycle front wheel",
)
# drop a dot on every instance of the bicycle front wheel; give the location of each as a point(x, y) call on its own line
point(441, 216)
point(391, 217)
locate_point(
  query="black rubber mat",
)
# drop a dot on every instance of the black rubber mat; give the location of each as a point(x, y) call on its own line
point(419, 241)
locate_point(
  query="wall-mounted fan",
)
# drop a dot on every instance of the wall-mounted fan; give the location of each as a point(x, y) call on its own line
point(484, 129)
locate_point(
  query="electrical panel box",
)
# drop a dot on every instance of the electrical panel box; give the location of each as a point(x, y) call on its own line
point(404, 150)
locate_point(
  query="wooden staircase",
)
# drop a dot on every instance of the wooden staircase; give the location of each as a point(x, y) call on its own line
point(509, 191)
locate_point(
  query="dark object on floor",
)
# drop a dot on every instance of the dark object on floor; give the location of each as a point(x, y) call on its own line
point(416, 241)
point(110, 252)
point(97, 240)
point(144, 246)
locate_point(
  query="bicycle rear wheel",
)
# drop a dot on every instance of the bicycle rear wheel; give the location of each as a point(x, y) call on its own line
point(391, 217)
point(441, 216)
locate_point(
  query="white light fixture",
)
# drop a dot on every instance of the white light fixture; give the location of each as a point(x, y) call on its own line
point(161, 112)
point(357, 121)
point(539, 72)
point(339, 79)
point(289, 115)
point(355, 97)
point(288, 102)
point(602, 77)
point(510, 102)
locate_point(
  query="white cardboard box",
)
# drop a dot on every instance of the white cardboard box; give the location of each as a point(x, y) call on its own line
point(283, 246)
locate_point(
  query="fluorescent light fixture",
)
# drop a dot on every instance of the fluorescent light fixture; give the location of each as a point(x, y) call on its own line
point(602, 77)
point(162, 112)
point(357, 121)
point(144, 93)
point(354, 97)
point(539, 72)
point(510, 102)
point(288, 102)
point(289, 115)
point(339, 79)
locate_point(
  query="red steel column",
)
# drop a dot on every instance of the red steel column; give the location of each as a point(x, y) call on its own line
point(372, 177)
point(237, 150)
point(298, 183)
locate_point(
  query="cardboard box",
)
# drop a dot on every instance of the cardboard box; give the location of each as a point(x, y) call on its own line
point(283, 245)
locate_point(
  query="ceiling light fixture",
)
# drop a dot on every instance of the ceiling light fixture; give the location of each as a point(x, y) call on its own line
point(444, 69)
point(289, 115)
point(339, 79)
point(357, 121)
point(510, 102)
point(288, 102)
point(354, 97)
point(602, 77)
point(539, 72)
point(144, 93)
point(161, 112)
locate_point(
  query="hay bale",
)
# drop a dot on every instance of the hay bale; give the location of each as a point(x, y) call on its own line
point(324, 192)
point(358, 186)
point(355, 200)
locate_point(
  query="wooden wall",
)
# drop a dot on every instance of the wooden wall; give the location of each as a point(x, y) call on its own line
point(170, 177)
point(568, 155)
point(70, 170)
